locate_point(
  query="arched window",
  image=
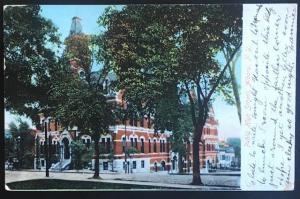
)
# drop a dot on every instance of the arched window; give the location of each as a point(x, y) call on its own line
point(107, 145)
point(160, 146)
point(142, 122)
point(142, 145)
point(149, 145)
point(131, 140)
point(135, 143)
point(154, 146)
point(42, 147)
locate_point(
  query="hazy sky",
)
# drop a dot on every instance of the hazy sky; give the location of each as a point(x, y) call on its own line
point(62, 15)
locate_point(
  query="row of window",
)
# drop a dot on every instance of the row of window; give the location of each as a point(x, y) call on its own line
point(134, 122)
point(133, 141)
point(54, 148)
point(225, 157)
point(210, 147)
point(134, 164)
point(209, 131)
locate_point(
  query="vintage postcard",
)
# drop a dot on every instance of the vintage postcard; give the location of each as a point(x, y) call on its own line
point(196, 97)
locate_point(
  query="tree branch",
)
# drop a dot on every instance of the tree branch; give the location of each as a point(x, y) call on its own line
point(192, 104)
point(221, 74)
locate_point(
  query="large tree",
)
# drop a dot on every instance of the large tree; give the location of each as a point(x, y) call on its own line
point(84, 106)
point(80, 99)
point(201, 73)
point(29, 60)
point(149, 46)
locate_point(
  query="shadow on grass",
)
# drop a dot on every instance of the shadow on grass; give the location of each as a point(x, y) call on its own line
point(46, 184)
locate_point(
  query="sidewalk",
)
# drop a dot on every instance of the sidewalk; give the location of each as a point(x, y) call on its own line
point(152, 179)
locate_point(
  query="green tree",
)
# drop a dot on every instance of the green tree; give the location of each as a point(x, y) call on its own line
point(232, 72)
point(236, 144)
point(9, 147)
point(150, 45)
point(201, 74)
point(23, 142)
point(81, 154)
point(29, 60)
point(78, 48)
point(84, 106)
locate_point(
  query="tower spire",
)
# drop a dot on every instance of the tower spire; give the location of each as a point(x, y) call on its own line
point(76, 28)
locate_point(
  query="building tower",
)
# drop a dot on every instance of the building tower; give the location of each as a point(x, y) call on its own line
point(76, 28)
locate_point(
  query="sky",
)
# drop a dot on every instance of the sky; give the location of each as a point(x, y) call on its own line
point(61, 16)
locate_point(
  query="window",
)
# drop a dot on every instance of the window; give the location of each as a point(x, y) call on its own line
point(108, 145)
point(168, 146)
point(149, 122)
point(124, 143)
point(105, 165)
point(149, 146)
point(142, 164)
point(142, 122)
point(154, 147)
point(135, 143)
point(135, 122)
point(134, 164)
point(223, 157)
point(42, 147)
point(164, 148)
point(160, 146)
point(88, 142)
point(131, 121)
point(43, 163)
point(142, 145)
point(131, 140)
point(103, 141)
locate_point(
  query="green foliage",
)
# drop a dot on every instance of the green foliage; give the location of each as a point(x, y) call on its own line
point(80, 105)
point(148, 47)
point(132, 150)
point(22, 144)
point(29, 60)
point(77, 48)
point(9, 148)
point(236, 144)
point(81, 155)
point(151, 46)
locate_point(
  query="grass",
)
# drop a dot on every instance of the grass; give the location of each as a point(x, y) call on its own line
point(46, 184)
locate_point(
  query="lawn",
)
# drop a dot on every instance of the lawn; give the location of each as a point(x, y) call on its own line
point(54, 184)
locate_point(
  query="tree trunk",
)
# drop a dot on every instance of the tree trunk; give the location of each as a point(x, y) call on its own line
point(196, 162)
point(97, 153)
point(180, 165)
point(234, 83)
point(235, 88)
